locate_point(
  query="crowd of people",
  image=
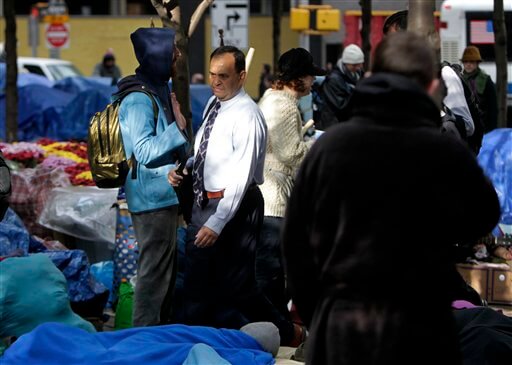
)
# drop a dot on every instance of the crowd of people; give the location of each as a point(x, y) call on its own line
point(326, 223)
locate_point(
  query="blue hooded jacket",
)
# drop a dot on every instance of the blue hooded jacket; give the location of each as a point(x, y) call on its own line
point(153, 146)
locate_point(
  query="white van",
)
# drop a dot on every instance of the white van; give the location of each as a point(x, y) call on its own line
point(53, 69)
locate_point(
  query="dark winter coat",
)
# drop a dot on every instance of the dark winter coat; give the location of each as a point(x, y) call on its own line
point(484, 88)
point(335, 93)
point(377, 205)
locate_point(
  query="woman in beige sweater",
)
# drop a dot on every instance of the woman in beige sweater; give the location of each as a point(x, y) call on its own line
point(285, 150)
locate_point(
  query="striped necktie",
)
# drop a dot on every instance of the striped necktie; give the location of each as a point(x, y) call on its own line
point(198, 169)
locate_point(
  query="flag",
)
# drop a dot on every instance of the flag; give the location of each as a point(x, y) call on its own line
point(481, 32)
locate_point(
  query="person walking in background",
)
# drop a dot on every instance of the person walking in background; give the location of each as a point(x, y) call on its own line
point(152, 136)
point(285, 150)
point(372, 194)
point(108, 68)
point(482, 87)
point(339, 85)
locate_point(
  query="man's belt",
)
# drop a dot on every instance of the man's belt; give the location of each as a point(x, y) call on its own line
point(214, 194)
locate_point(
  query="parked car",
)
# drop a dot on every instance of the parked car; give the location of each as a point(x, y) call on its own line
point(53, 69)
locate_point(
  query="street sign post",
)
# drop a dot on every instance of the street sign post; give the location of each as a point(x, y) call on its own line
point(232, 16)
point(57, 27)
point(57, 35)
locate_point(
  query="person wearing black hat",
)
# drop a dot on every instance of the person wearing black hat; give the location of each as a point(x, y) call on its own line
point(396, 22)
point(285, 150)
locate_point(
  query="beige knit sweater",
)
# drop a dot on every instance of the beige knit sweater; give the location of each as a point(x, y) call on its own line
point(285, 148)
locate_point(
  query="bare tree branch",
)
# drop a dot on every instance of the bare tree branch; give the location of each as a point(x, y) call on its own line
point(170, 15)
point(194, 19)
point(167, 15)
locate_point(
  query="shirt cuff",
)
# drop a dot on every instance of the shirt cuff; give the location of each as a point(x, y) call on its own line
point(215, 224)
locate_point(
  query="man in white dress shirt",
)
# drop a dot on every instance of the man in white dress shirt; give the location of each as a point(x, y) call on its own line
point(220, 287)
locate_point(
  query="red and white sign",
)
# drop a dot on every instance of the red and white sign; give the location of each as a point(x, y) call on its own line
point(57, 35)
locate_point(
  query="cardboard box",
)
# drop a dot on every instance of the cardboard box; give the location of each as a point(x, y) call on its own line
point(492, 281)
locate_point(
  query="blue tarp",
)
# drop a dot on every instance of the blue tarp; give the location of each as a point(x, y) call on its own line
point(62, 110)
point(55, 344)
point(495, 158)
point(74, 264)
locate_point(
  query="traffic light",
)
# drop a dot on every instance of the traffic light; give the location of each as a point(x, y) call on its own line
point(299, 19)
point(328, 20)
point(317, 19)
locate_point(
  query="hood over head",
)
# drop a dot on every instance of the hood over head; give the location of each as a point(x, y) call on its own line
point(154, 49)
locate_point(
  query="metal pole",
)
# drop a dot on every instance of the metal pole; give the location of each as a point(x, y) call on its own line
point(33, 32)
point(304, 38)
point(54, 53)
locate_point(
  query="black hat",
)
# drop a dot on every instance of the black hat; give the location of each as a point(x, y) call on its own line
point(399, 18)
point(295, 63)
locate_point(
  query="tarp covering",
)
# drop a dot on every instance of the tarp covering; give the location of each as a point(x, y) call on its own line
point(62, 110)
point(55, 344)
point(495, 158)
point(74, 264)
point(34, 291)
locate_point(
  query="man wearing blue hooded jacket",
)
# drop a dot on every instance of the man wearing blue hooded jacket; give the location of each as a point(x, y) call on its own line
point(153, 140)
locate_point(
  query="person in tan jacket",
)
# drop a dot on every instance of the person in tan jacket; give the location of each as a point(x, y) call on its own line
point(285, 150)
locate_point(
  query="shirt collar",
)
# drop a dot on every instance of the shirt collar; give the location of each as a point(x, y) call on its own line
point(240, 94)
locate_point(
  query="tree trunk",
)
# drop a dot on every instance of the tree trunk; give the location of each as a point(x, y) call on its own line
point(500, 50)
point(170, 15)
point(421, 21)
point(366, 29)
point(11, 90)
point(277, 12)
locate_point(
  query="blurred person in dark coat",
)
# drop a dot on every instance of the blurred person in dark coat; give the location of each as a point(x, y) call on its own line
point(375, 197)
point(339, 85)
point(108, 68)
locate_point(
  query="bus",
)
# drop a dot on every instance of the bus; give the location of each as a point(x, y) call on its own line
point(469, 22)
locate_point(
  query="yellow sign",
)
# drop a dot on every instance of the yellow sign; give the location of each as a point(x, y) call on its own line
point(299, 19)
point(59, 19)
point(328, 20)
point(315, 19)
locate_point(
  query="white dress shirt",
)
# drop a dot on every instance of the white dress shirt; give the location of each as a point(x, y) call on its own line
point(235, 155)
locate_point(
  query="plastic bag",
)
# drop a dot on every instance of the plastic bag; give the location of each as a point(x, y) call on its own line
point(81, 211)
point(104, 273)
point(124, 307)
